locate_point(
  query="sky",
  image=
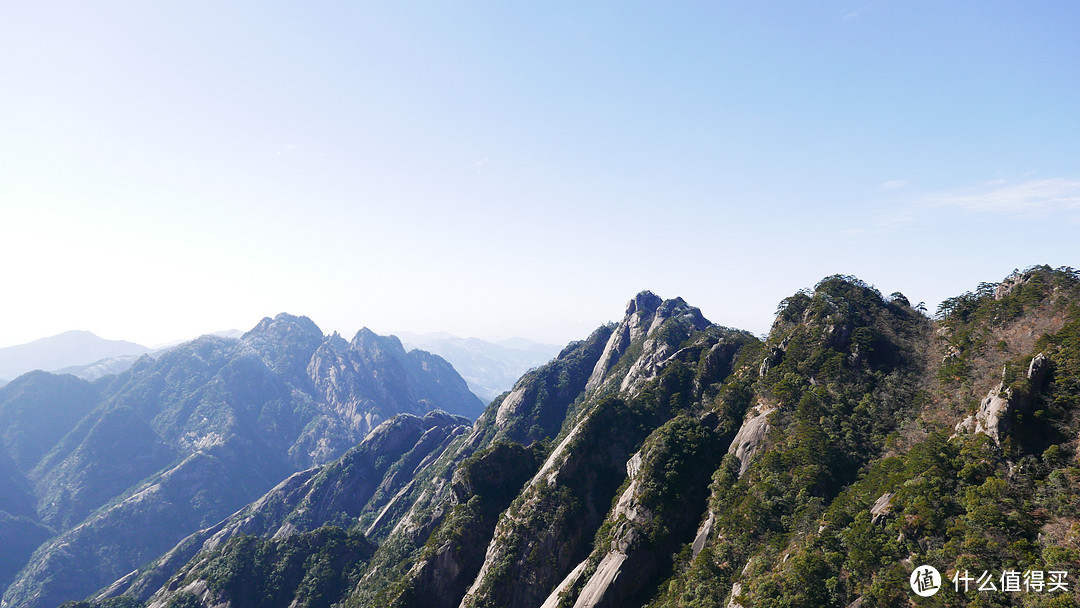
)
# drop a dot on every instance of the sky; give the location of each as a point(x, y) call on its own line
point(498, 169)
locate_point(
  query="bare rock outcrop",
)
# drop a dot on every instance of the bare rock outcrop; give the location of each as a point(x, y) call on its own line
point(645, 315)
point(881, 507)
point(751, 434)
point(995, 410)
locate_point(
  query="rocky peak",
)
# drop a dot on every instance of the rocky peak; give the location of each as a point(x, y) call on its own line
point(284, 327)
point(369, 341)
point(285, 343)
point(645, 314)
point(1014, 280)
point(337, 342)
point(645, 302)
point(677, 307)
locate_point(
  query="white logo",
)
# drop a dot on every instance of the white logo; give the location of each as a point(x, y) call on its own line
point(925, 581)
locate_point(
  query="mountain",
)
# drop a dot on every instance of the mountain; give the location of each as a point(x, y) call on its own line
point(115, 472)
point(102, 367)
point(668, 461)
point(81, 354)
point(490, 368)
point(71, 348)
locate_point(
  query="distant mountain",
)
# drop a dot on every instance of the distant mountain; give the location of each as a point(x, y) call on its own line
point(116, 471)
point(71, 348)
point(97, 369)
point(490, 368)
point(115, 365)
point(662, 462)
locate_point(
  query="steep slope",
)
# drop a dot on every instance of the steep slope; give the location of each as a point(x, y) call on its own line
point(335, 494)
point(461, 536)
point(407, 514)
point(96, 461)
point(666, 461)
point(659, 367)
point(20, 530)
point(483, 545)
point(542, 399)
point(37, 410)
point(845, 495)
point(179, 443)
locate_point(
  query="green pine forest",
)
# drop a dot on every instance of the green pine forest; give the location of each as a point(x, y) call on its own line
point(632, 453)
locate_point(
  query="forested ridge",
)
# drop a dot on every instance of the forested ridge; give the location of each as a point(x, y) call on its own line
point(666, 461)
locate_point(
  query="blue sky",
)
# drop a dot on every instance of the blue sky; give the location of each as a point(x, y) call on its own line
point(520, 168)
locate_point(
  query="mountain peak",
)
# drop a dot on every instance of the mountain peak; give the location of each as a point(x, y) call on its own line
point(283, 324)
point(285, 342)
point(365, 338)
point(646, 302)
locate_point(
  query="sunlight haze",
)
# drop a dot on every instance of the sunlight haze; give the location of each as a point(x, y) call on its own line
point(520, 169)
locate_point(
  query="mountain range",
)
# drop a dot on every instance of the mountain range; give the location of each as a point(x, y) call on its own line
point(489, 368)
point(100, 477)
point(69, 349)
point(662, 461)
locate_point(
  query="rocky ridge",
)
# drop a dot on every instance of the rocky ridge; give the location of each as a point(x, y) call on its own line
point(183, 441)
point(666, 461)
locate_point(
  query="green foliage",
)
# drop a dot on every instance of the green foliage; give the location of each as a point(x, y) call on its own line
point(184, 599)
point(549, 391)
point(970, 318)
point(312, 569)
point(858, 478)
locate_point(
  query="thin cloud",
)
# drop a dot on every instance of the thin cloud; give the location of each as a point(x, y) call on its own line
point(855, 13)
point(1021, 200)
point(1037, 198)
point(895, 184)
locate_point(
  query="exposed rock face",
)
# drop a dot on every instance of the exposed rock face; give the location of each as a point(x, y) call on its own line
point(519, 541)
point(602, 588)
point(338, 493)
point(570, 493)
point(992, 417)
point(662, 438)
point(753, 431)
point(178, 443)
point(483, 488)
point(736, 589)
point(568, 583)
point(1011, 282)
point(645, 314)
point(510, 406)
point(578, 478)
point(666, 484)
point(638, 316)
point(371, 378)
point(996, 409)
point(446, 563)
point(702, 535)
point(881, 507)
point(1036, 372)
